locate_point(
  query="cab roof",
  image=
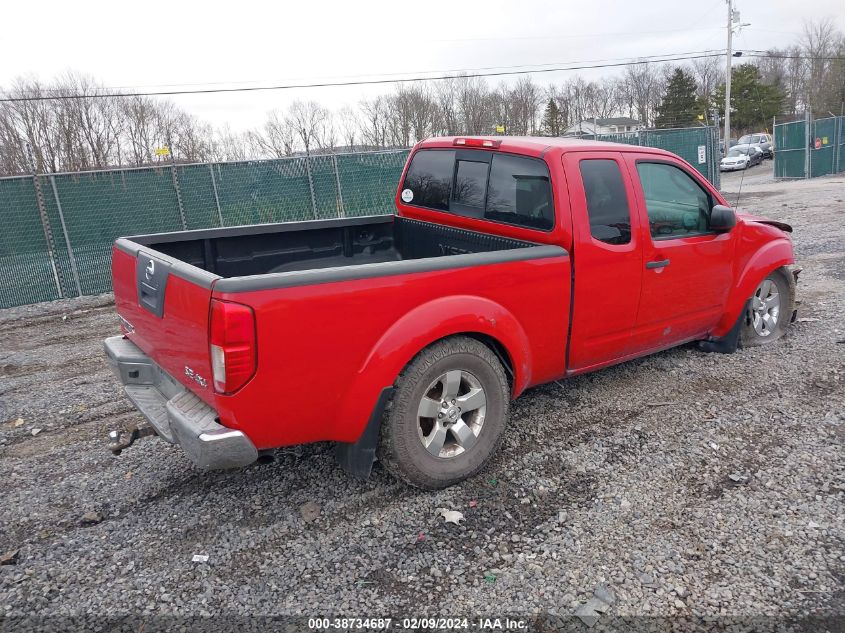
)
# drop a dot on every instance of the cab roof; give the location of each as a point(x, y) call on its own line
point(537, 145)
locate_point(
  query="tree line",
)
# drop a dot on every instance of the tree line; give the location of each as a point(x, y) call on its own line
point(79, 130)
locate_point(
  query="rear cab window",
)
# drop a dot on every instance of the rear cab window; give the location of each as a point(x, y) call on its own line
point(499, 187)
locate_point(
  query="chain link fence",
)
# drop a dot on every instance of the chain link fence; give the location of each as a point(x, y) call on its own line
point(57, 230)
point(809, 148)
point(699, 146)
point(57, 242)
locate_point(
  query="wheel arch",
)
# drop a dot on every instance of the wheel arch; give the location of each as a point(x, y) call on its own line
point(769, 258)
point(476, 317)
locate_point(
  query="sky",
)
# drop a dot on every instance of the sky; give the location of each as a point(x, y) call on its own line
point(160, 45)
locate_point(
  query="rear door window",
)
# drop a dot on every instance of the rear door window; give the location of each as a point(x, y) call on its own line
point(607, 201)
point(428, 182)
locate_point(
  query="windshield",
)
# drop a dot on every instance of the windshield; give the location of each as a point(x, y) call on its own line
point(734, 152)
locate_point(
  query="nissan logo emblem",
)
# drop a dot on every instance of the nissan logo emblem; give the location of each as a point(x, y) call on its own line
point(150, 270)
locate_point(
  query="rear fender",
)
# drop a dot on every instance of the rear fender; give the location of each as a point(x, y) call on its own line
point(768, 258)
point(419, 328)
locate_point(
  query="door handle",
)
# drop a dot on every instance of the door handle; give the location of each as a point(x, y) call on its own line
point(658, 264)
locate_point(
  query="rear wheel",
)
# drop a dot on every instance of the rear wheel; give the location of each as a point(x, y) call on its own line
point(447, 416)
point(769, 312)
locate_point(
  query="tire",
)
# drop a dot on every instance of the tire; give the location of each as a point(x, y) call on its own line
point(436, 451)
point(770, 310)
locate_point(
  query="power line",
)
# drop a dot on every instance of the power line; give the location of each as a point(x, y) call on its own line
point(767, 55)
point(671, 57)
point(654, 59)
point(409, 72)
point(570, 35)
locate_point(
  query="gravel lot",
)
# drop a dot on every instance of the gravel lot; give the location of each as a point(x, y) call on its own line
point(685, 484)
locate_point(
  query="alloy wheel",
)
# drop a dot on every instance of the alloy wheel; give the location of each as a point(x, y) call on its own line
point(765, 308)
point(451, 414)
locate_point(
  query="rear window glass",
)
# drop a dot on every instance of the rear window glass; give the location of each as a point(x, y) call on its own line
point(607, 202)
point(429, 179)
point(520, 192)
point(470, 184)
point(499, 187)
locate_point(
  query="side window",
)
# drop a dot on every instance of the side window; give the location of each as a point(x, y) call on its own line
point(429, 179)
point(607, 202)
point(677, 205)
point(520, 192)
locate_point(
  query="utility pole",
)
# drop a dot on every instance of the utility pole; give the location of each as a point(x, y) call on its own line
point(733, 22)
point(728, 77)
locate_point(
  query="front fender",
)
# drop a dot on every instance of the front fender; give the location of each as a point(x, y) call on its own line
point(770, 256)
point(415, 331)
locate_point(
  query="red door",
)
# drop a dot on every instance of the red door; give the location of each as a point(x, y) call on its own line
point(687, 268)
point(606, 256)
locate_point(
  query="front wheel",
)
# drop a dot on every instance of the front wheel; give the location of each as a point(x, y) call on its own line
point(769, 311)
point(447, 415)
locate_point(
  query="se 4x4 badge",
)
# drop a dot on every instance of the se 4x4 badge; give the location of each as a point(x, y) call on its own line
point(190, 373)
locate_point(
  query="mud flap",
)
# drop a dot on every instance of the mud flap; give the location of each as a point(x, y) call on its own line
point(358, 457)
point(729, 343)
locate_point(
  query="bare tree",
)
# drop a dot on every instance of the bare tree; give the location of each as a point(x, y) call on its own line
point(374, 113)
point(32, 123)
point(448, 108)
point(399, 109)
point(349, 127)
point(644, 90)
point(327, 134)
point(709, 72)
point(524, 101)
point(92, 119)
point(472, 101)
point(423, 111)
point(229, 145)
point(820, 43)
point(277, 138)
point(603, 98)
point(140, 116)
point(308, 120)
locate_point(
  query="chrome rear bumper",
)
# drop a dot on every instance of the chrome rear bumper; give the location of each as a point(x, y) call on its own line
point(178, 416)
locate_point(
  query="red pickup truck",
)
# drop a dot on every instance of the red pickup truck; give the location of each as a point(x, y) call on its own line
point(510, 262)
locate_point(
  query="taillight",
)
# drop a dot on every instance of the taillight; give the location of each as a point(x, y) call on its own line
point(233, 352)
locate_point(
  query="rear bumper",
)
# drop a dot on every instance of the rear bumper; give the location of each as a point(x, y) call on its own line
point(178, 416)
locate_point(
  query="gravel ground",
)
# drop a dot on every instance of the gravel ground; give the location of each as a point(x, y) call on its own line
point(682, 484)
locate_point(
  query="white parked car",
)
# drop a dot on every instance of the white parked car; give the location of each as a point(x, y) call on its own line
point(741, 157)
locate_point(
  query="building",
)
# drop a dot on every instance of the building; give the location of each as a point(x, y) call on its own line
point(612, 125)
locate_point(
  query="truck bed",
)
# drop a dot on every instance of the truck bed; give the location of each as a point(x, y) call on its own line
point(300, 246)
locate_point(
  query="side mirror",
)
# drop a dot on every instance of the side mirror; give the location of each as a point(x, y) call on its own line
point(722, 218)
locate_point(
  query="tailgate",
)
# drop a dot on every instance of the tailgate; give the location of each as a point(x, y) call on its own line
point(163, 305)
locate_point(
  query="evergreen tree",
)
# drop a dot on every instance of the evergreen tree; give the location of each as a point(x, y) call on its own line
point(753, 103)
point(679, 107)
point(552, 120)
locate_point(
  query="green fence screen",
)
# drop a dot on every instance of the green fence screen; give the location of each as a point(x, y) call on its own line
point(85, 212)
point(807, 149)
point(699, 146)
